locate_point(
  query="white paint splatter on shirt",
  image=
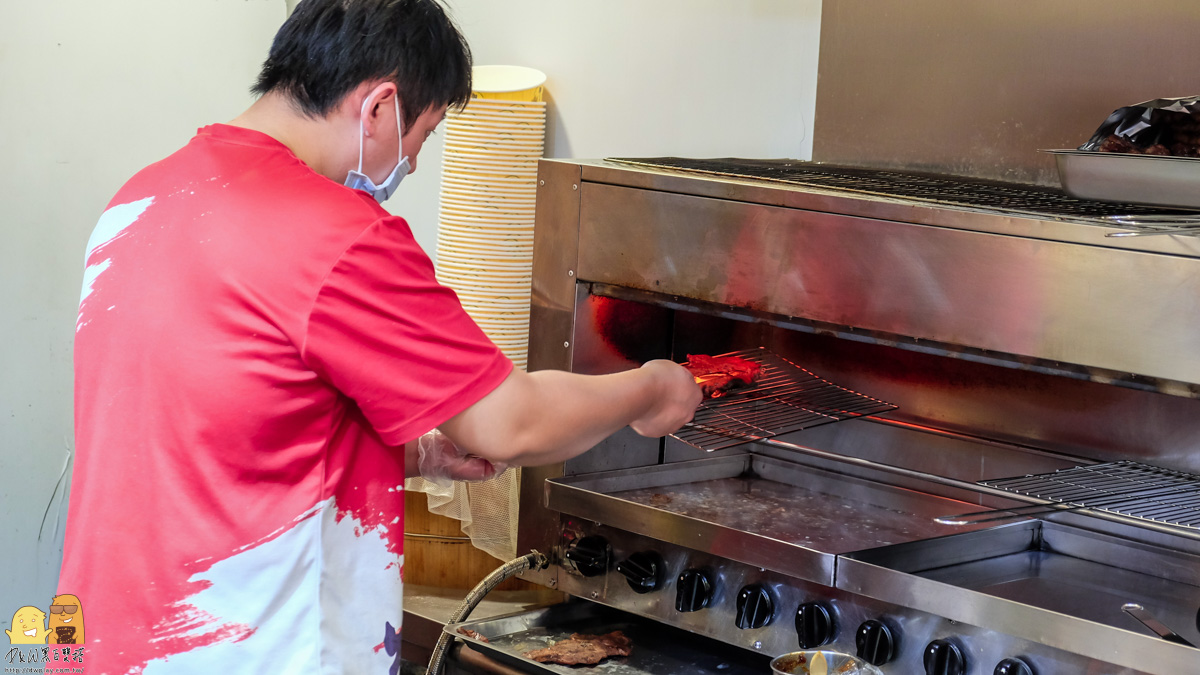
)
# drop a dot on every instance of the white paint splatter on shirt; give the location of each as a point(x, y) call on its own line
point(296, 607)
point(111, 225)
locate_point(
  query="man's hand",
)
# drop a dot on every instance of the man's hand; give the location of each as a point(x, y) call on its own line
point(676, 402)
point(440, 461)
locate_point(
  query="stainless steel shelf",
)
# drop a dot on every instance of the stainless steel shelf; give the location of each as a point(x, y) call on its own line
point(773, 514)
point(1057, 585)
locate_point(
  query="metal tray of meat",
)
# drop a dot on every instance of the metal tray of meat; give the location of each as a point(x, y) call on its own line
point(1172, 182)
point(658, 649)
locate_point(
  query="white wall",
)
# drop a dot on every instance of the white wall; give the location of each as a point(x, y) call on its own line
point(92, 91)
point(698, 78)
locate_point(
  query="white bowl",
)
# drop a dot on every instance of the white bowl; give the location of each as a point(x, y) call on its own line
point(498, 170)
point(490, 177)
point(525, 190)
point(512, 252)
point(477, 162)
point(452, 208)
point(500, 190)
point(522, 222)
point(499, 231)
point(486, 124)
point(517, 136)
point(494, 150)
point(503, 104)
point(505, 78)
point(487, 273)
point(461, 243)
point(456, 195)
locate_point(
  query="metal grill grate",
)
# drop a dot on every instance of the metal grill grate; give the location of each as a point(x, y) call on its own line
point(1128, 488)
point(786, 398)
point(1015, 198)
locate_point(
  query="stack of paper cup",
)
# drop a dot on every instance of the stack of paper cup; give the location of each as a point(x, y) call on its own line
point(485, 218)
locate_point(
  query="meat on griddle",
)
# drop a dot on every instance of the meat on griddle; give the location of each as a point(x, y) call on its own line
point(717, 375)
point(582, 649)
point(472, 634)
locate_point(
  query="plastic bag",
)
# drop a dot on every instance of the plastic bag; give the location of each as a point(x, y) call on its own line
point(1164, 126)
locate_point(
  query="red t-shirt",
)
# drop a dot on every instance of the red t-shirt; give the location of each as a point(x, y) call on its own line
point(255, 344)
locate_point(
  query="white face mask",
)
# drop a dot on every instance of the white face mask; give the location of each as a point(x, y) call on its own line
point(361, 181)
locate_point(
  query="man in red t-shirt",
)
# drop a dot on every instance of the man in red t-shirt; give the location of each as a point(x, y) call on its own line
point(259, 347)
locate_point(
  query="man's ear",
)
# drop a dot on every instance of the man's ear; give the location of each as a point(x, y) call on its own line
point(379, 106)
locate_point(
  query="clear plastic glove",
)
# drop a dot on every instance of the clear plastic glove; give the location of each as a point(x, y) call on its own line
point(439, 461)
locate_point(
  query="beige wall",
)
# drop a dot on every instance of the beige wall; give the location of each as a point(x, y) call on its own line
point(697, 78)
point(91, 91)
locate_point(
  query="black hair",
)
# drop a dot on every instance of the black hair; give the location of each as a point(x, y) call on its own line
point(327, 48)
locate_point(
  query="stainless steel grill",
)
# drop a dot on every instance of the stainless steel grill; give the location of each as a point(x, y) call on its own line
point(831, 534)
point(1128, 488)
point(786, 398)
point(1014, 198)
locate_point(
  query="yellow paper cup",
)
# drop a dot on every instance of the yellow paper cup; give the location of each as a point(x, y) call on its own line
point(507, 83)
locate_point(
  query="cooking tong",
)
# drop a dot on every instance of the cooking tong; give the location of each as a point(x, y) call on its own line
point(1182, 223)
point(1149, 621)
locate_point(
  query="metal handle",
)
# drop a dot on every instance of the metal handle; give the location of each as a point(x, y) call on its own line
point(1138, 612)
point(1160, 224)
point(1115, 500)
point(1004, 514)
point(1190, 229)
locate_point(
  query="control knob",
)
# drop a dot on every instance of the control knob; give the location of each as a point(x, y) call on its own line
point(693, 590)
point(814, 625)
point(1013, 667)
point(755, 608)
point(943, 657)
point(590, 555)
point(643, 571)
point(874, 642)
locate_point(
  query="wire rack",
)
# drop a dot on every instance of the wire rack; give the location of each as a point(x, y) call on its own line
point(786, 398)
point(1013, 198)
point(1127, 488)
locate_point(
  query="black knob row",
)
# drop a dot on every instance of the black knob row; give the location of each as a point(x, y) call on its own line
point(943, 657)
point(1012, 667)
point(644, 571)
point(814, 625)
point(755, 607)
point(591, 555)
point(874, 642)
point(693, 590)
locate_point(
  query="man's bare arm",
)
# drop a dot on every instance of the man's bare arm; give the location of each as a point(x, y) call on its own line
point(549, 416)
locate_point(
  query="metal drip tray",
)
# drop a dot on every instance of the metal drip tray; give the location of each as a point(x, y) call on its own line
point(1047, 582)
point(777, 515)
point(657, 649)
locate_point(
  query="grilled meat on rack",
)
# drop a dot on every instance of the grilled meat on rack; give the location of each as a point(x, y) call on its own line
point(717, 375)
